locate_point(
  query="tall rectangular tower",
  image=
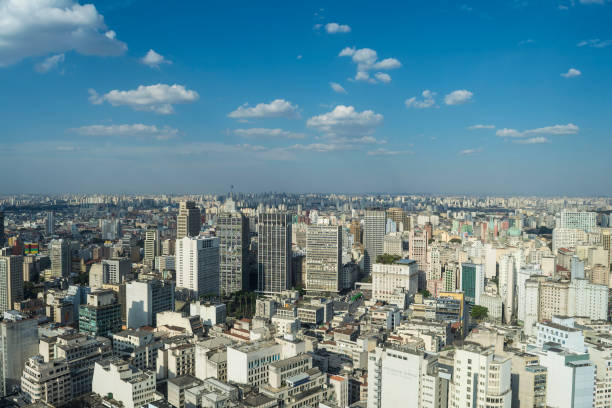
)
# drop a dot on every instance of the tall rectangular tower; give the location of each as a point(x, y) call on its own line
point(197, 265)
point(188, 221)
point(273, 252)
point(323, 258)
point(233, 233)
point(373, 237)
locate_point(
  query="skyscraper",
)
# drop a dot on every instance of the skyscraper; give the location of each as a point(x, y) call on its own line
point(145, 298)
point(233, 233)
point(50, 223)
point(323, 258)
point(2, 239)
point(398, 215)
point(151, 246)
point(197, 265)
point(188, 221)
point(273, 252)
point(116, 270)
point(472, 282)
point(508, 269)
point(18, 342)
point(373, 237)
point(61, 259)
point(11, 281)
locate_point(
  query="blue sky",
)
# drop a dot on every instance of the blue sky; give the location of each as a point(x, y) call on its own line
point(481, 97)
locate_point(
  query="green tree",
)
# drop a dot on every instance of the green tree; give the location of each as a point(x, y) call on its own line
point(479, 312)
point(456, 240)
point(387, 258)
point(426, 294)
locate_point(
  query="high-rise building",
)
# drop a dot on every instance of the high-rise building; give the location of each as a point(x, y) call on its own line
point(391, 283)
point(2, 237)
point(18, 342)
point(116, 270)
point(188, 221)
point(583, 220)
point(61, 259)
point(233, 234)
point(133, 387)
point(323, 258)
point(481, 379)
point(373, 237)
point(507, 285)
point(197, 265)
point(273, 252)
point(356, 232)
point(401, 377)
point(151, 246)
point(145, 298)
point(399, 216)
point(472, 282)
point(528, 380)
point(101, 316)
point(11, 281)
point(50, 223)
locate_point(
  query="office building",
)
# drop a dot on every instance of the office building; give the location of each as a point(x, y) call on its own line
point(273, 252)
point(144, 298)
point(50, 224)
point(323, 258)
point(116, 270)
point(18, 342)
point(151, 246)
point(188, 221)
point(11, 281)
point(101, 316)
point(472, 282)
point(2, 237)
point(248, 364)
point(115, 378)
point(528, 380)
point(197, 265)
point(233, 234)
point(400, 218)
point(373, 237)
point(395, 282)
point(508, 270)
point(61, 259)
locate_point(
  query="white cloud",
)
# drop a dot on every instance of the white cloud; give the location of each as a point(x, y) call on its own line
point(474, 127)
point(383, 77)
point(571, 73)
point(387, 152)
point(137, 130)
point(40, 27)
point(347, 122)
point(271, 133)
point(569, 129)
point(367, 60)
point(158, 98)
point(154, 60)
point(428, 100)
point(563, 7)
point(337, 87)
point(466, 152)
point(334, 28)
point(278, 108)
point(299, 57)
point(592, 1)
point(533, 140)
point(527, 41)
point(50, 62)
point(595, 43)
point(458, 97)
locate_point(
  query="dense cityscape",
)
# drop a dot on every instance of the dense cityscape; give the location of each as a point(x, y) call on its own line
point(305, 300)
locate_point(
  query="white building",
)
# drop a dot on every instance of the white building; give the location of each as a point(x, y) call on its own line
point(248, 364)
point(561, 331)
point(481, 379)
point(523, 274)
point(197, 265)
point(389, 279)
point(115, 378)
point(145, 298)
point(399, 378)
point(210, 314)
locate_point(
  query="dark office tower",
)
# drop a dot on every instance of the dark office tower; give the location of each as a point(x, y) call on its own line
point(2, 239)
point(50, 223)
point(233, 234)
point(188, 221)
point(373, 237)
point(273, 252)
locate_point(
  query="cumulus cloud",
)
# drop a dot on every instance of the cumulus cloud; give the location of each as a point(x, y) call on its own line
point(568, 129)
point(335, 28)
point(33, 28)
point(458, 97)
point(50, 63)
point(278, 108)
point(571, 73)
point(595, 43)
point(386, 152)
point(345, 121)
point(428, 100)
point(367, 60)
point(467, 152)
point(154, 60)
point(475, 127)
point(137, 130)
point(337, 87)
point(533, 140)
point(269, 133)
point(158, 98)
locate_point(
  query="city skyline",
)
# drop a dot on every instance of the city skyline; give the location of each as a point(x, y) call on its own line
point(461, 98)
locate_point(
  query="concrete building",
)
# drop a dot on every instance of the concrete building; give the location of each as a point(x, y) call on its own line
point(397, 377)
point(233, 232)
point(18, 342)
point(61, 259)
point(323, 258)
point(11, 281)
point(210, 314)
point(116, 270)
point(101, 316)
point(48, 382)
point(151, 246)
point(273, 252)
point(145, 298)
point(188, 221)
point(211, 358)
point(393, 244)
point(374, 223)
point(248, 364)
point(472, 282)
point(528, 380)
point(176, 358)
point(138, 348)
point(390, 279)
point(197, 265)
point(115, 378)
point(561, 330)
